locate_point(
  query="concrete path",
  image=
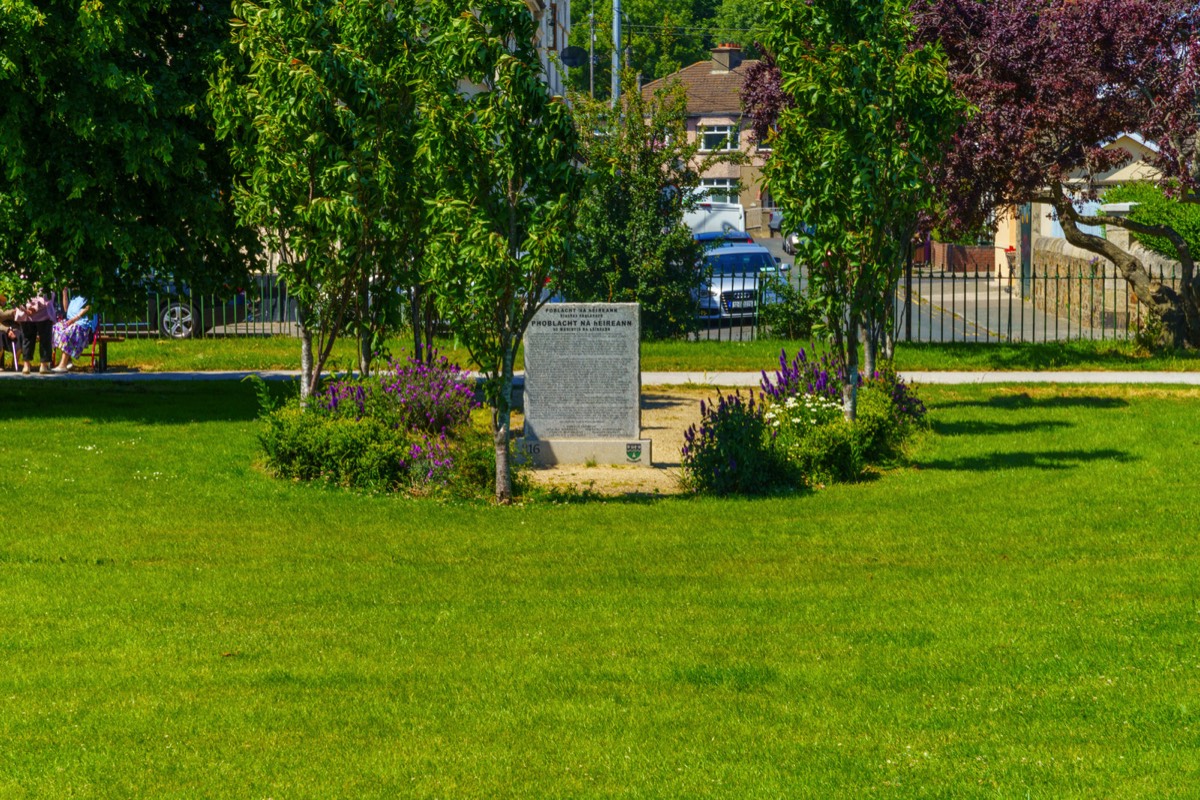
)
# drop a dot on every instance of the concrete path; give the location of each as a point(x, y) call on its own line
point(753, 378)
point(731, 379)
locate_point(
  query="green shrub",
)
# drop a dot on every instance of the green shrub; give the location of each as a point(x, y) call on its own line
point(410, 428)
point(830, 453)
point(790, 318)
point(359, 454)
point(732, 451)
point(880, 429)
point(1156, 209)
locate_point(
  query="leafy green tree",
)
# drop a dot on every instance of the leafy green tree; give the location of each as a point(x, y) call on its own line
point(661, 37)
point(109, 170)
point(643, 177)
point(320, 114)
point(740, 22)
point(852, 153)
point(1155, 211)
point(507, 192)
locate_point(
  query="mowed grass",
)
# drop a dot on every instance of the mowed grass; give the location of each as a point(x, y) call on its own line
point(283, 353)
point(1014, 614)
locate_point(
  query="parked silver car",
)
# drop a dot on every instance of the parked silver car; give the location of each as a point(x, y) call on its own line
point(791, 242)
point(736, 281)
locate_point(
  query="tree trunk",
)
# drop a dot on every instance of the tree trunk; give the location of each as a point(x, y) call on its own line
point(306, 356)
point(850, 387)
point(366, 327)
point(870, 346)
point(306, 365)
point(429, 319)
point(364, 353)
point(414, 318)
point(1179, 311)
point(501, 419)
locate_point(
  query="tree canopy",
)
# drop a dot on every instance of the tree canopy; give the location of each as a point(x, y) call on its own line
point(319, 111)
point(109, 168)
point(1054, 82)
point(501, 214)
point(864, 113)
point(643, 177)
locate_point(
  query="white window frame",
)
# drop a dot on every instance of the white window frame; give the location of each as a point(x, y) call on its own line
point(720, 190)
point(730, 141)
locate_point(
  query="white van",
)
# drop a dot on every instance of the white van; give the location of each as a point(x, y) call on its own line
point(711, 217)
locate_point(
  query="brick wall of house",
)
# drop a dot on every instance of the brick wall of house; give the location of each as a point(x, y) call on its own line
point(961, 258)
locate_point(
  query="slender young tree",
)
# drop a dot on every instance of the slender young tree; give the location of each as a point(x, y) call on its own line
point(868, 113)
point(320, 114)
point(508, 188)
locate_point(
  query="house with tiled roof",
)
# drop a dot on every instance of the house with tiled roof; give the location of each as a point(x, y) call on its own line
point(714, 101)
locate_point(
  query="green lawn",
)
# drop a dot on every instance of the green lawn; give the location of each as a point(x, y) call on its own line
point(267, 353)
point(1014, 615)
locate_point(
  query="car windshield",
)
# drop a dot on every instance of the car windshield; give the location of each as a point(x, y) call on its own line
point(739, 263)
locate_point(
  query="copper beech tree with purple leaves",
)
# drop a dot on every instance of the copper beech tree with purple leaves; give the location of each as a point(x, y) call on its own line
point(1054, 81)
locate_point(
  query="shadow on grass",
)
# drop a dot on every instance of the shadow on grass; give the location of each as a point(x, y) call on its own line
point(979, 428)
point(585, 495)
point(150, 403)
point(1017, 402)
point(1051, 460)
point(654, 402)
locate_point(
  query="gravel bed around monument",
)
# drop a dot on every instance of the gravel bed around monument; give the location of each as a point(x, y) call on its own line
point(666, 414)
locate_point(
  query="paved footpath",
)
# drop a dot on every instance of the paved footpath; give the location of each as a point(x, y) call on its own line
point(731, 379)
point(753, 378)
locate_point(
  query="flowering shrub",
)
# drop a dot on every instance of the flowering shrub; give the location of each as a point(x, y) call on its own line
point(792, 418)
point(732, 452)
point(909, 409)
point(797, 432)
point(434, 398)
point(822, 377)
point(406, 429)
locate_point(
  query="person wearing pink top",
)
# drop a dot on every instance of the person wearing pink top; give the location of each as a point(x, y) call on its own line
point(37, 322)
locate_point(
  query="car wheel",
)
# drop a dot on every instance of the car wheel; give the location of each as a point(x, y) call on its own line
point(178, 321)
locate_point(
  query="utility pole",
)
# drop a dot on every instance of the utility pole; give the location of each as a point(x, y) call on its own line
point(592, 51)
point(616, 53)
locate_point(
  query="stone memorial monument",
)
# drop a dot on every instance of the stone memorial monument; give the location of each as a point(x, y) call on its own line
point(583, 385)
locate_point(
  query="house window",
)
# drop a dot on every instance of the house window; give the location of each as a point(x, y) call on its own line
point(720, 190)
point(554, 27)
point(719, 137)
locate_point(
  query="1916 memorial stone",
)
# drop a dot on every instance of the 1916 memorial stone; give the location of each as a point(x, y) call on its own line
point(583, 385)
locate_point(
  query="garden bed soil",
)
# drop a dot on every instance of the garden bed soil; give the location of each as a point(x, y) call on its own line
point(666, 414)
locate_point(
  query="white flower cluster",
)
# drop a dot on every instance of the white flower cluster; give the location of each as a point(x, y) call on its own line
point(808, 407)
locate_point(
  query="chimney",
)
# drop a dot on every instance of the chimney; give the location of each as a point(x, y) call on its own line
point(727, 57)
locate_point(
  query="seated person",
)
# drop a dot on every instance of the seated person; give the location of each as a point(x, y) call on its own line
point(12, 340)
point(73, 333)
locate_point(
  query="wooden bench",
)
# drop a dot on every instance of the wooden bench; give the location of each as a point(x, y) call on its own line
point(100, 354)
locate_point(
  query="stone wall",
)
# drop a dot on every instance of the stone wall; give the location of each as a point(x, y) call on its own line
point(1080, 286)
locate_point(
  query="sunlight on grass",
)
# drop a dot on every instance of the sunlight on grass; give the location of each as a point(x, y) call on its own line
point(283, 353)
point(1013, 614)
